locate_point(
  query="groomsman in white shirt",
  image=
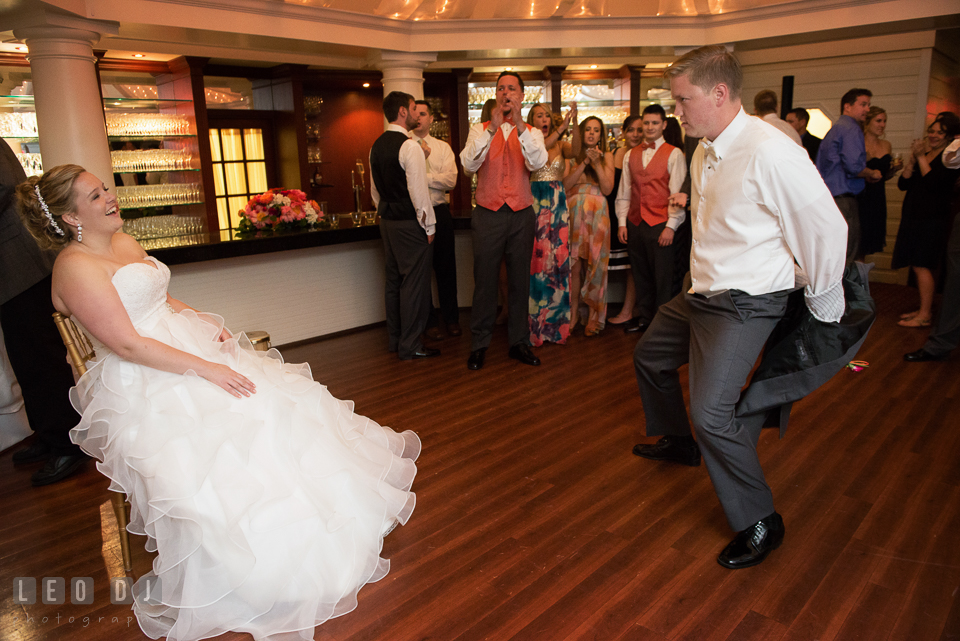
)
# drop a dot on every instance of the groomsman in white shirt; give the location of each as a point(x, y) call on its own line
point(765, 108)
point(757, 204)
point(441, 178)
point(398, 186)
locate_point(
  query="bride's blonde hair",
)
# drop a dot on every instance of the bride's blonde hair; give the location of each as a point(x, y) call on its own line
point(42, 202)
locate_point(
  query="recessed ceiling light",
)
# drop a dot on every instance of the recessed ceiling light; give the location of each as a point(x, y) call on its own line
point(509, 69)
point(366, 84)
point(138, 55)
point(21, 47)
point(593, 66)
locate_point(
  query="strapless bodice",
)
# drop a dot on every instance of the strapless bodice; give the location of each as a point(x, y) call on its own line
point(142, 288)
point(550, 171)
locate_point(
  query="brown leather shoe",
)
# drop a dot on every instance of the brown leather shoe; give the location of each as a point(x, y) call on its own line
point(433, 333)
point(454, 329)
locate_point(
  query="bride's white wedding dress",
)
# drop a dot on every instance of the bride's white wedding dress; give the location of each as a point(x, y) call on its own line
point(268, 513)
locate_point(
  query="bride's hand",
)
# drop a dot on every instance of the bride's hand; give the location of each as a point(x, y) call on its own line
point(235, 383)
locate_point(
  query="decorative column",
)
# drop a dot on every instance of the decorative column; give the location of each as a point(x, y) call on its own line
point(67, 98)
point(403, 71)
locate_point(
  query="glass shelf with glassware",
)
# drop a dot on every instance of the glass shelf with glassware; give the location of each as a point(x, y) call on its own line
point(152, 139)
point(161, 195)
point(157, 232)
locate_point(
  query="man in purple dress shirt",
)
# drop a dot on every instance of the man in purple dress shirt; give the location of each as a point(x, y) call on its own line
point(842, 162)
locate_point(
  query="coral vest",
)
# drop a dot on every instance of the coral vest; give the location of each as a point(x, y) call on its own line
point(650, 187)
point(503, 178)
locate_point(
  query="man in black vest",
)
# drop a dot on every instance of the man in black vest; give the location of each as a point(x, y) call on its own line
point(398, 172)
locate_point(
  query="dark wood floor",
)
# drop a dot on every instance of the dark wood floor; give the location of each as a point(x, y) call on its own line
point(534, 521)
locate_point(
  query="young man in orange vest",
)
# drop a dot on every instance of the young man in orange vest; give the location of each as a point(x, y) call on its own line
point(650, 207)
point(503, 152)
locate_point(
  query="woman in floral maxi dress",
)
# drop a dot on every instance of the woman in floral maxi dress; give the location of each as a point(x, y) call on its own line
point(550, 264)
point(588, 182)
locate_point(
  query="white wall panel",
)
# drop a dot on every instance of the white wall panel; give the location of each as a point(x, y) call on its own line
point(299, 294)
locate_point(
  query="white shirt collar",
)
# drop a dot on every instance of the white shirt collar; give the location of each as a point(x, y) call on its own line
point(722, 142)
point(394, 127)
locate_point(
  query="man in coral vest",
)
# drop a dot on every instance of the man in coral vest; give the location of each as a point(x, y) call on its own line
point(650, 207)
point(503, 152)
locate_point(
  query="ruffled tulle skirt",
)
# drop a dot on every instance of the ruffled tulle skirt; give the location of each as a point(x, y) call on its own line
point(267, 513)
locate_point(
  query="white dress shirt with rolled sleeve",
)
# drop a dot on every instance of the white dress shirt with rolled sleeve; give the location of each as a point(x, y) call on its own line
point(758, 203)
point(952, 148)
point(677, 169)
point(415, 167)
point(480, 137)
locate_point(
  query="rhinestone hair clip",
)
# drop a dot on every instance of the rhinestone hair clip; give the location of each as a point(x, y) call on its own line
point(46, 211)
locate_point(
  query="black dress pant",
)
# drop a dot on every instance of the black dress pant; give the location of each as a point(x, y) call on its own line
point(946, 331)
point(445, 265)
point(499, 234)
point(39, 360)
point(407, 292)
point(653, 267)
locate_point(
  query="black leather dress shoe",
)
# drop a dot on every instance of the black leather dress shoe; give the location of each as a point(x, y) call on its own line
point(57, 469)
point(676, 449)
point(636, 325)
point(752, 546)
point(923, 356)
point(476, 359)
point(423, 352)
point(33, 454)
point(523, 354)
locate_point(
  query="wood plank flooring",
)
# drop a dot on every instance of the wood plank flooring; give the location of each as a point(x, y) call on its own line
point(535, 522)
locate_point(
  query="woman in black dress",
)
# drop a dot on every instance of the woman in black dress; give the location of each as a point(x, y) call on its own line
point(924, 224)
point(872, 201)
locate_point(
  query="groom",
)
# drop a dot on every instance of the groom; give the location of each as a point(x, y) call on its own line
point(758, 205)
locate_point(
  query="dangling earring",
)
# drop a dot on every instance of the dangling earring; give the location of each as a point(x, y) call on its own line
point(79, 233)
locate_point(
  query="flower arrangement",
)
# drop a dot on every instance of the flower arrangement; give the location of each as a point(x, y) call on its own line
point(279, 210)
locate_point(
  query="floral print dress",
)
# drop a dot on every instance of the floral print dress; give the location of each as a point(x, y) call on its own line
point(550, 264)
point(590, 242)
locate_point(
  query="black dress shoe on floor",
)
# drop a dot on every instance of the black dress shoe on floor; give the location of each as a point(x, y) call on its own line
point(677, 449)
point(636, 325)
point(523, 354)
point(33, 454)
point(752, 546)
point(423, 352)
point(476, 359)
point(57, 469)
point(923, 356)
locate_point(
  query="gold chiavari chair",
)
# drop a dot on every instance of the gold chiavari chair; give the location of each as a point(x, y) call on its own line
point(80, 350)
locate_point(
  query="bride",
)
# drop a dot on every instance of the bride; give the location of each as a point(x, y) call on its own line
point(266, 498)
